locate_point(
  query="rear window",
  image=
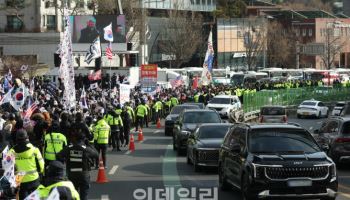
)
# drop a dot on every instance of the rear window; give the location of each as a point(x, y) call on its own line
point(208, 132)
point(346, 128)
point(220, 101)
point(201, 117)
point(273, 111)
point(340, 105)
point(308, 103)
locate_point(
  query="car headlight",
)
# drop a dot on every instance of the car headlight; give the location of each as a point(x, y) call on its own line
point(185, 132)
point(333, 172)
point(258, 171)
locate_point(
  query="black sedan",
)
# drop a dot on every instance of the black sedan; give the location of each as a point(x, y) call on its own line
point(174, 114)
point(204, 144)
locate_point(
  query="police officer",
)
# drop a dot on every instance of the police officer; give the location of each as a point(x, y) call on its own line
point(115, 122)
point(54, 142)
point(54, 178)
point(174, 101)
point(28, 160)
point(141, 112)
point(157, 107)
point(78, 158)
point(127, 120)
point(101, 138)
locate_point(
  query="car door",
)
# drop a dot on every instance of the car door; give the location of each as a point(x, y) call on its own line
point(240, 158)
point(324, 108)
point(177, 127)
point(226, 155)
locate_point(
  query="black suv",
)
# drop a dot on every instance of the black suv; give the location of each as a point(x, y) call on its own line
point(187, 123)
point(334, 136)
point(276, 161)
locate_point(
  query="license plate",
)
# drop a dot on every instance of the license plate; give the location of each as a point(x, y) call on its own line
point(305, 113)
point(299, 183)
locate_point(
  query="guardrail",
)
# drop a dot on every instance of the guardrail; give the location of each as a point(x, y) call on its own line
point(252, 102)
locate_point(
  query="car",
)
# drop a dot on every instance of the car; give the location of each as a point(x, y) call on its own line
point(334, 136)
point(200, 105)
point(338, 108)
point(279, 161)
point(224, 104)
point(273, 114)
point(312, 108)
point(187, 123)
point(204, 143)
point(172, 117)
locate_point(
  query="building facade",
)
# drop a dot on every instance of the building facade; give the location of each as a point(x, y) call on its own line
point(346, 7)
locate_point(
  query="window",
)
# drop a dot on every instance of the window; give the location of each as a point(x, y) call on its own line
point(51, 22)
point(13, 23)
point(80, 4)
point(310, 32)
point(304, 32)
point(321, 104)
point(18, 3)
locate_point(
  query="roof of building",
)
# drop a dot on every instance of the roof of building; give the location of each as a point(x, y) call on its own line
point(301, 14)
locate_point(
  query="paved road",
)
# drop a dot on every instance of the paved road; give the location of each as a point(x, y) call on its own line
point(145, 173)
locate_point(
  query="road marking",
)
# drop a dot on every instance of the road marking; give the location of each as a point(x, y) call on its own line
point(311, 127)
point(142, 141)
point(319, 122)
point(128, 152)
point(170, 174)
point(105, 197)
point(113, 170)
point(155, 132)
point(344, 187)
point(344, 195)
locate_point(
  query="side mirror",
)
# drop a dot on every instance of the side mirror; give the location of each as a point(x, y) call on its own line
point(236, 148)
point(325, 147)
point(316, 131)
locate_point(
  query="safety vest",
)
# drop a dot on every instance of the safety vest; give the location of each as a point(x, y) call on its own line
point(196, 98)
point(168, 103)
point(101, 133)
point(141, 110)
point(157, 106)
point(26, 163)
point(44, 192)
point(54, 144)
point(118, 111)
point(91, 129)
point(131, 112)
point(174, 101)
point(111, 120)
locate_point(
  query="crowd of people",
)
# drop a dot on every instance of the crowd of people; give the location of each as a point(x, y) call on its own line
point(57, 139)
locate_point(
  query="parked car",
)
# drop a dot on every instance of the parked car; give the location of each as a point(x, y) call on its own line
point(312, 108)
point(172, 117)
point(224, 104)
point(187, 123)
point(276, 161)
point(334, 136)
point(200, 105)
point(204, 143)
point(338, 108)
point(273, 114)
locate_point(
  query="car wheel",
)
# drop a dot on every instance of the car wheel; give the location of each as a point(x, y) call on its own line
point(319, 115)
point(222, 180)
point(298, 116)
point(188, 160)
point(245, 188)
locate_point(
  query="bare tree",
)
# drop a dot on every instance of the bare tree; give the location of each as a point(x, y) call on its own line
point(254, 42)
point(180, 36)
point(333, 45)
point(280, 45)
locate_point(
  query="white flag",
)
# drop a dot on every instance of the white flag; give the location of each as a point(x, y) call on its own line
point(93, 86)
point(54, 195)
point(108, 33)
point(7, 97)
point(94, 51)
point(208, 62)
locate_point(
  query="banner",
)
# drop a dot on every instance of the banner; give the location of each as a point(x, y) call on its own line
point(149, 76)
point(124, 93)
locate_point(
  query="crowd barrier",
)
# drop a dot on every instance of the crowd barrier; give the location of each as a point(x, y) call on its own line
point(252, 102)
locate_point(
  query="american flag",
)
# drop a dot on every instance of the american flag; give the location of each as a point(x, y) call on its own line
point(28, 113)
point(109, 53)
point(177, 82)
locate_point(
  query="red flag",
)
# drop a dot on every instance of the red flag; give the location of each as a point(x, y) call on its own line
point(195, 83)
point(95, 76)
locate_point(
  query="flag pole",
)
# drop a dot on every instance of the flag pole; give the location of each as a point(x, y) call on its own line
point(110, 70)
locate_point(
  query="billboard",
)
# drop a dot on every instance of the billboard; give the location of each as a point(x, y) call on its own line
point(149, 75)
point(85, 28)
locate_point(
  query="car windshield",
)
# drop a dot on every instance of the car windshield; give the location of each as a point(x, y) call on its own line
point(273, 111)
point(340, 105)
point(308, 103)
point(207, 132)
point(281, 141)
point(178, 109)
point(201, 117)
point(346, 128)
point(220, 101)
